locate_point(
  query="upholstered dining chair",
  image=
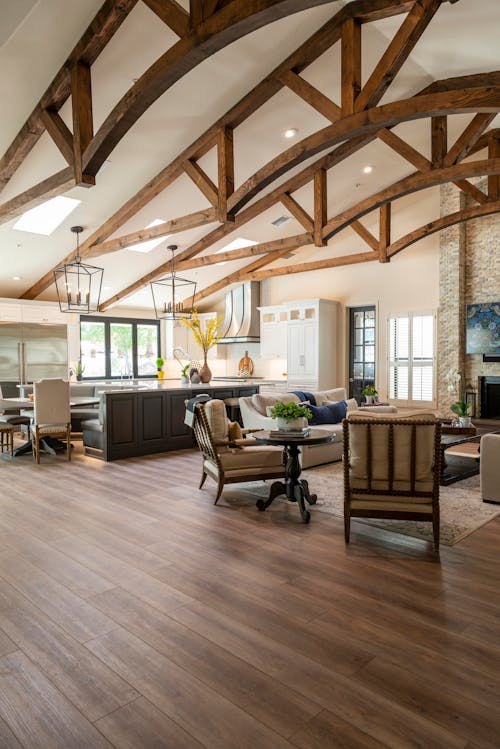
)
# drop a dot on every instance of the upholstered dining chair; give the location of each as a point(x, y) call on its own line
point(51, 416)
point(13, 416)
point(392, 469)
point(228, 457)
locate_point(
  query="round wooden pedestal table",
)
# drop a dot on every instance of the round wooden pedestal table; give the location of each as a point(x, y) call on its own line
point(294, 488)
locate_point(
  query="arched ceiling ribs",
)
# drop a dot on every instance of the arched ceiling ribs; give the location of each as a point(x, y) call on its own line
point(363, 10)
point(407, 186)
point(484, 100)
point(467, 214)
point(87, 151)
point(233, 21)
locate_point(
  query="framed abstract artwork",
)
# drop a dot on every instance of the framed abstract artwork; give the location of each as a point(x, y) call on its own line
point(483, 328)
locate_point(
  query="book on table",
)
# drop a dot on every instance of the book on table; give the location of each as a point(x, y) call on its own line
point(294, 433)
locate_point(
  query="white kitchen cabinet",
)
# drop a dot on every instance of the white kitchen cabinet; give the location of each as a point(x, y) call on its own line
point(311, 344)
point(273, 337)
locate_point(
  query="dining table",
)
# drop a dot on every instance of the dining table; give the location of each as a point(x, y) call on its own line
point(49, 444)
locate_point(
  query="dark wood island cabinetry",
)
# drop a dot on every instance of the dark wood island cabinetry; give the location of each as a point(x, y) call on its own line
point(137, 422)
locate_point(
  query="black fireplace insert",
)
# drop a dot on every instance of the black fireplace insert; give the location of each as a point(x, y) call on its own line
point(489, 388)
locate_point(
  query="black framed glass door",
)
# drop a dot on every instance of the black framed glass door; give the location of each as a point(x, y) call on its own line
point(361, 350)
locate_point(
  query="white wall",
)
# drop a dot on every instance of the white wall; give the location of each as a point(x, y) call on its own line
point(409, 282)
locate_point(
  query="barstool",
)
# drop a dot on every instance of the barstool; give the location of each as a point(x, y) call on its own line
point(6, 437)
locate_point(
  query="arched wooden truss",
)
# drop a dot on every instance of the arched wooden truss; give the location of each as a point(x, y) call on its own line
point(356, 121)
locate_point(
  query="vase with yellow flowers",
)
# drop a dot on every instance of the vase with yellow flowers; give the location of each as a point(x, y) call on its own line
point(206, 336)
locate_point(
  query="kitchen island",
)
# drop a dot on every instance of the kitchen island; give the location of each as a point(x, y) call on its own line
point(139, 420)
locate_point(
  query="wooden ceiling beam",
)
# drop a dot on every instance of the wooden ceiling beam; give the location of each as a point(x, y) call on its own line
point(467, 214)
point(83, 127)
point(320, 206)
point(225, 171)
point(483, 141)
point(297, 212)
point(99, 32)
point(424, 165)
point(173, 226)
point(468, 138)
point(364, 123)
point(239, 275)
point(494, 179)
point(59, 132)
point(311, 95)
point(49, 188)
point(439, 141)
point(350, 65)
point(172, 14)
point(202, 181)
point(407, 186)
point(397, 53)
point(365, 235)
point(332, 262)
point(384, 232)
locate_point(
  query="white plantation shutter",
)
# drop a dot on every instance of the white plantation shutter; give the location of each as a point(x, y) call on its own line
point(411, 357)
point(399, 329)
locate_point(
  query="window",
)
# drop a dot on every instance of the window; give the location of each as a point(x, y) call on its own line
point(411, 357)
point(116, 347)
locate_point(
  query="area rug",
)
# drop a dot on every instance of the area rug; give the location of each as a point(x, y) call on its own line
point(461, 507)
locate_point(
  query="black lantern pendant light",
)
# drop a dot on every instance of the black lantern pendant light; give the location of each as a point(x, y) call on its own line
point(78, 285)
point(173, 296)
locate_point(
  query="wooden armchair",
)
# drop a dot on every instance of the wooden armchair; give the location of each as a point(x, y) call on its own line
point(392, 469)
point(228, 458)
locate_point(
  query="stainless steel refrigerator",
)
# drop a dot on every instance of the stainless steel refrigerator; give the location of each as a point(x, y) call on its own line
point(31, 351)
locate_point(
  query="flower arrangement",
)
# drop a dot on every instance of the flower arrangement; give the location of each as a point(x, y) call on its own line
point(208, 337)
point(290, 411)
point(370, 390)
point(456, 384)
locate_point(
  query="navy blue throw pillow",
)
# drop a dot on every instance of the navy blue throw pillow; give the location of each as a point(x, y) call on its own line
point(331, 413)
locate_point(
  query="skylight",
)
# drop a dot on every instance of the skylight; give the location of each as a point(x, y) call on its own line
point(150, 244)
point(236, 244)
point(46, 217)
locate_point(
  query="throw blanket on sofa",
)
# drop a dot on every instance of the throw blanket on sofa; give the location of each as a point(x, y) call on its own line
point(305, 396)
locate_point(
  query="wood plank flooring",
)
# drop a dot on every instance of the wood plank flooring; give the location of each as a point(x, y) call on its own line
point(136, 615)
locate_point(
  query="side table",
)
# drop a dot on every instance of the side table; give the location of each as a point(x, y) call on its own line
point(295, 488)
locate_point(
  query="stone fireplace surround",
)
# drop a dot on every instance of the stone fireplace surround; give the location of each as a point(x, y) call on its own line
point(469, 272)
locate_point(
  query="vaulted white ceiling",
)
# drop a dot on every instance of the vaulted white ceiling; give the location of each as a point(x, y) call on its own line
point(38, 36)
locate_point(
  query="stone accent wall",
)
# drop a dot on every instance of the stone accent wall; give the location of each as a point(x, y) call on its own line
point(469, 272)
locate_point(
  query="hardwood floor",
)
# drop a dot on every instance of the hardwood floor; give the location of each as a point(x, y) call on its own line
point(134, 614)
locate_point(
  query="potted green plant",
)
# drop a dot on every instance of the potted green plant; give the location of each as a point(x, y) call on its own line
point(79, 369)
point(371, 393)
point(290, 416)
point(159, 366)
point(463, 411)
point(185, 374)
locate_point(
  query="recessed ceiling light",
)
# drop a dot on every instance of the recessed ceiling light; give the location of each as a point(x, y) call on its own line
point(236, 244)
point(150, 244)
point(16, 278)
point(291, 132)
point(45, 218)
point(367, 169)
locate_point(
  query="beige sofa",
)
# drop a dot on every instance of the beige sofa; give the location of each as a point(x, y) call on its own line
point(255, 414)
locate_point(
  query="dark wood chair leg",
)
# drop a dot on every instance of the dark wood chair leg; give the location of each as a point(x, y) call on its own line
point(203, 478)
point(435, 529)
point(68, 442)
point(347, 523)
point(220, 487)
